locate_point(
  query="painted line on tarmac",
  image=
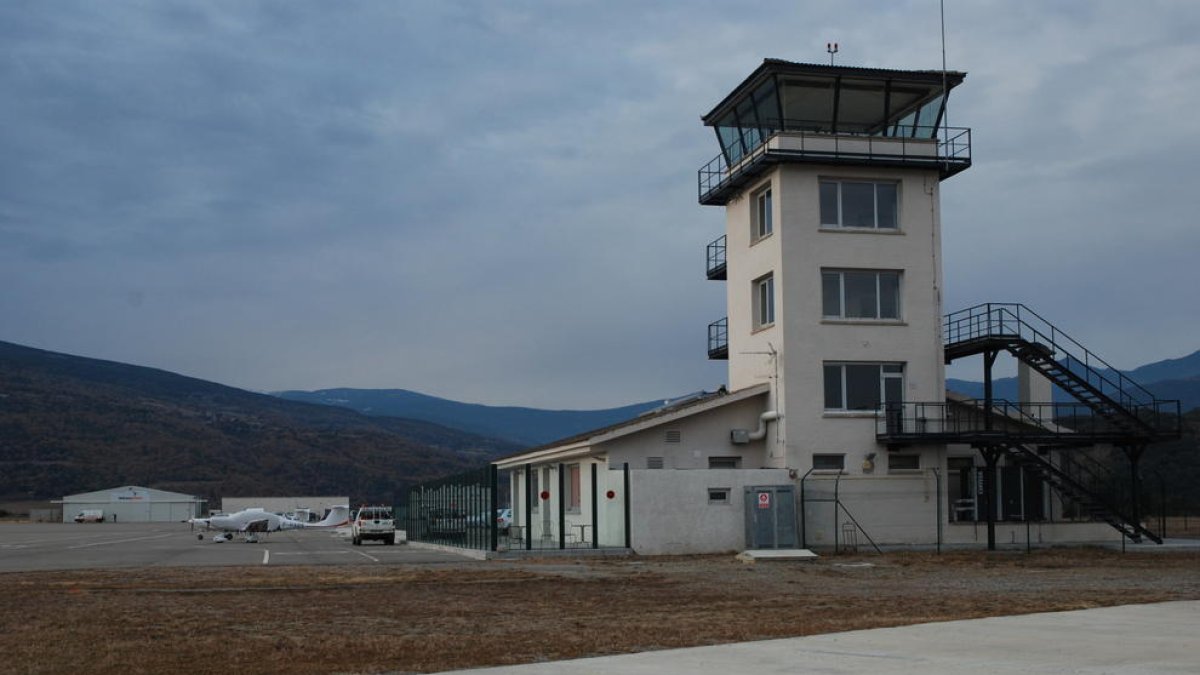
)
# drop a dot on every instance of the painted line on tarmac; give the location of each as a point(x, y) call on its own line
point(315, 553)
point(266, 555)
point(120, 541)
point(369, 557)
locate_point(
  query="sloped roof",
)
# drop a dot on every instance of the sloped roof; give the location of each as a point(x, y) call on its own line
point(668, 413)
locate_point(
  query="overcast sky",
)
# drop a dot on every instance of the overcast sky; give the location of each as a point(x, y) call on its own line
point(496, 201)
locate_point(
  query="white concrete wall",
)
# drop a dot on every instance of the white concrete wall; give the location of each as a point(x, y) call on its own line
point(544, 518)
point(671, 513)
point(891, 509)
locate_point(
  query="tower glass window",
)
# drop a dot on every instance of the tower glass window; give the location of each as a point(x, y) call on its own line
point(763, 216)
point(764, 301)
point(863, 386)
point(860, 294)
point(859, 204)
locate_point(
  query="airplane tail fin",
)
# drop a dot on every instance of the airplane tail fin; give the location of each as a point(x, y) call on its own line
point(338, 516)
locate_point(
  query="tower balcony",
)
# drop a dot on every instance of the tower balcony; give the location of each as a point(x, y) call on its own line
point(718, 340)
point(719, 181)
point(715, 268)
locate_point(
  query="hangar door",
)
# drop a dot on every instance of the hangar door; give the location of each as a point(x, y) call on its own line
point(771, 517)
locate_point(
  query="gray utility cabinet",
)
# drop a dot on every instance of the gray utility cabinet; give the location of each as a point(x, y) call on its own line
point(771, 517)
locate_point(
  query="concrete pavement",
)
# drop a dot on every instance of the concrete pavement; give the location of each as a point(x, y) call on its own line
point(1157, 638)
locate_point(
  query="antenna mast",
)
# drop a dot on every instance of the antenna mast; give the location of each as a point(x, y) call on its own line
point(832, 48)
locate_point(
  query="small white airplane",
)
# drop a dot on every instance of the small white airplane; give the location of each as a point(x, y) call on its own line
point(252, 522)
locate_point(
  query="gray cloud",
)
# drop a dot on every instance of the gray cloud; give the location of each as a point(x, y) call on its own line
point(496, 202)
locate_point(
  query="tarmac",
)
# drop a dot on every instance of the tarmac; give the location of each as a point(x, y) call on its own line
point(1126, 640)
point(26, 547)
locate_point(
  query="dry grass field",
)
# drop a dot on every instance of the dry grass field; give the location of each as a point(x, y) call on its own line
point(431, 618)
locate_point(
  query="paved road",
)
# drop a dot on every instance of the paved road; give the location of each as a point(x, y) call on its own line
point(1134, 639)
point(56, 546)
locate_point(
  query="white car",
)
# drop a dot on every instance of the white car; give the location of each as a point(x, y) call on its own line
point(373, 522)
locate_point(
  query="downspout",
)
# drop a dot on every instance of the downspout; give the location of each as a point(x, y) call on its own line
point(761, 432)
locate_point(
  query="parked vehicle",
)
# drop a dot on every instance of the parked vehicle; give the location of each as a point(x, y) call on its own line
point(447, 523)
point(503, 520)
point(373, 522)
point(90, 516)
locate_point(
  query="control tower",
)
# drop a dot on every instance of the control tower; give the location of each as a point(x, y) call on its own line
point(831, 256)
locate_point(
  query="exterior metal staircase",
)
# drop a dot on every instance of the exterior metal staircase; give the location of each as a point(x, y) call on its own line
point(1089, 502)
point(1128, 407)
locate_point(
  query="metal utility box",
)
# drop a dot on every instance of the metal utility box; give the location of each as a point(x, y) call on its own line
point(771, 517)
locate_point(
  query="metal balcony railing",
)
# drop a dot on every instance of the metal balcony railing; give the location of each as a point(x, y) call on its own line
point(718, 339)
point(950, 152)
point(969, 421)
point(716, 259)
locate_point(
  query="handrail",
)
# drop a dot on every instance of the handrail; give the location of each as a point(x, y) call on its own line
point(716, 254)
point(967, 419)
point(997, 319)
point(752, 143)
point(718, 335)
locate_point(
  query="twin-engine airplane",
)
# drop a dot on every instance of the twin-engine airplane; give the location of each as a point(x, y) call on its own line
point(252, 522)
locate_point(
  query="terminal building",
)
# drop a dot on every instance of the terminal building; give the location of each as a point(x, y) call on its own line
point(835, 426)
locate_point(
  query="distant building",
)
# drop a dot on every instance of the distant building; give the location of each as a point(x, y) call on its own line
point(836, 426)
point(133, 504)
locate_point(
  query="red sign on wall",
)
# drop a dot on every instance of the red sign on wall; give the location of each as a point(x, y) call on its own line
point(764, 500)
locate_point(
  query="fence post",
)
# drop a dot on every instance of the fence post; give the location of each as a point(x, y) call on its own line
point(628, 538)
point(595, 512)
point(562, 509)
point(494, 479)
point(528, 507)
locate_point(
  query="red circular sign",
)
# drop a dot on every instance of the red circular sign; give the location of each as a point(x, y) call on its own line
point(545, 495)
point(610, 494)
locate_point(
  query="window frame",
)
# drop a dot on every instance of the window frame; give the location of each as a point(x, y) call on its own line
point(574, 489)
point(762, 214)
point(730, 461)
point(840, 204)
point(841, 456)
point(892, 457)
point(885, 376)
point(840, 273)
point(725, 496)
point(764, 307)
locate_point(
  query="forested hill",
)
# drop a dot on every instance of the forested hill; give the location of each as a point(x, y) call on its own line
point(71, 424)
point(527, 426)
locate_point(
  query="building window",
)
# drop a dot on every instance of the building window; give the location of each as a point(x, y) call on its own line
point(903, 463)
point(763, 216)
point(857, 294)
point(674, 436)
point(572, 488)
point(860, 204)
point(718, 495)
point(764, 301)
point(724, 462)
point(654, 462)
point(829, 462)
point(863, 386)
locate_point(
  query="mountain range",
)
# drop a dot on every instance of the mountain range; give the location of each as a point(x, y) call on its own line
point(524, 426)
point(1168, 379)
point(71, 424)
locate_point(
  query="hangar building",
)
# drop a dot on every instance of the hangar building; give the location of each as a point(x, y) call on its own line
point(133, 504)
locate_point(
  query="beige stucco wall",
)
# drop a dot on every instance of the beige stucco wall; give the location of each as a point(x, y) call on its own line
point(800, 339)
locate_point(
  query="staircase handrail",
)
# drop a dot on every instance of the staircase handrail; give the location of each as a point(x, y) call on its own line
point(1049, 334)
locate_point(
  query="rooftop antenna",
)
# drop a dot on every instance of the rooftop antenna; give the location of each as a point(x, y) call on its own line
point(945, 100)
point(832, 48)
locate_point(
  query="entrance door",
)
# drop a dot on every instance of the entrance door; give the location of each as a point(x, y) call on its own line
point(770, 516)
